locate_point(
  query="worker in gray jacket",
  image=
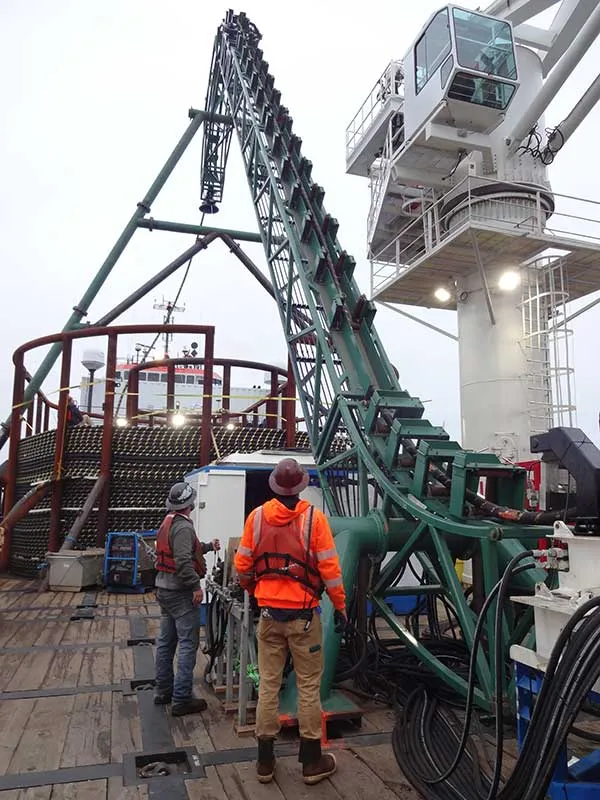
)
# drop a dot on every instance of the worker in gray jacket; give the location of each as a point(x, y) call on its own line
point(180, 566)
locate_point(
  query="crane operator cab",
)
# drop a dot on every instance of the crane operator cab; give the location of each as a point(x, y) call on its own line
point(461, 72)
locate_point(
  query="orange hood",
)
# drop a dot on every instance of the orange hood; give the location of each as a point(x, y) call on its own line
point(275, 513)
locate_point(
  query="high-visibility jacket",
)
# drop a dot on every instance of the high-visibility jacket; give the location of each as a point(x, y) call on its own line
point(164, 553)
point(276, 537)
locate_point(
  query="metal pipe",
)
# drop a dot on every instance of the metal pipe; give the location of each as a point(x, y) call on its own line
point(484, 283)
point(107, 436)
point(226, 392)
point(80, 310)
point(565, 129)
point(207, 391)
point(134, 297)
point(10, 489)
point(578, 313)
point(290, 407)
point(170, 390)
point(16, 513)
point(77, 527)
point(59, 447)
point(248, 263)
point(90, 390)
point(271, 404)
point(581, 43)
point(416, 319)
point(196, 230)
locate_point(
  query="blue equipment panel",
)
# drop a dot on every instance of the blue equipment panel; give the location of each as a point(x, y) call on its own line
point(581, 780)
point(128, 567)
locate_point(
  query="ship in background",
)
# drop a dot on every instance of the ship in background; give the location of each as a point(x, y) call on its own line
point(189, 382)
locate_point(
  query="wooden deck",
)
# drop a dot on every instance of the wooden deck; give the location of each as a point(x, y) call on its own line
point(69, 724)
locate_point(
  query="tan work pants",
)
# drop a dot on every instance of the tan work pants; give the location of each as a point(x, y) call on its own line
point(274, 640)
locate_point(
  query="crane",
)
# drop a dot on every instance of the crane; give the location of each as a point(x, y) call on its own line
point(419, 487)
point(463, 217)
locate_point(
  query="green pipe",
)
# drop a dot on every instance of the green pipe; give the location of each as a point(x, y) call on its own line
point(197, 230)
point(80, 310)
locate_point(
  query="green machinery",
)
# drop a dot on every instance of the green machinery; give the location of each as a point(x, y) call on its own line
point(416, 489)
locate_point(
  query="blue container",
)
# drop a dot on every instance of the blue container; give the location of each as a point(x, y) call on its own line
point(401, 605)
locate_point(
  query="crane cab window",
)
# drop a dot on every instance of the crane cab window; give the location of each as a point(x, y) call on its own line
point(432, 48)
point(484, 44)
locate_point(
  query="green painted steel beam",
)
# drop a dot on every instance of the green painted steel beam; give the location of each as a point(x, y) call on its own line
point(81, 308)
point(196, 230)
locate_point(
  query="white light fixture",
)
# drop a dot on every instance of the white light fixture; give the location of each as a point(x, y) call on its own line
point(178, 420)
point(121, 422)
point(442, 294)
point(230, 426)
point(509, 281)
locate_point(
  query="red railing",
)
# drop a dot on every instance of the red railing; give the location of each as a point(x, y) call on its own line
point(278, 410)
point(23, 413)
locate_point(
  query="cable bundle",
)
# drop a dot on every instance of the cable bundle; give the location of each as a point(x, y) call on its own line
point(441, 760)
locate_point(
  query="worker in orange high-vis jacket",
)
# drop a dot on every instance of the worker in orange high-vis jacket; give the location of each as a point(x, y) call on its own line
point(286, 559)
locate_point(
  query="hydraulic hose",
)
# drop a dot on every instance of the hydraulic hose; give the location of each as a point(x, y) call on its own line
point(424, 733)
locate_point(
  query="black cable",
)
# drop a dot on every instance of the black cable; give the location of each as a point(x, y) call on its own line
point(497, 589)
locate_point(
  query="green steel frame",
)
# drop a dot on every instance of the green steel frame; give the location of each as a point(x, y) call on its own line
point(360, 417)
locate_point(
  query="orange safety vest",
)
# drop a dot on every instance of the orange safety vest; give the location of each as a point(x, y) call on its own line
point(164, 554)
point(283, 551)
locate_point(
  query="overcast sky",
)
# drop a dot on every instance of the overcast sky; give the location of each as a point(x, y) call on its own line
point(95, 96)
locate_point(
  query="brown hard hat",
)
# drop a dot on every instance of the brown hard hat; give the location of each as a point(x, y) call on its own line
point(288, 478)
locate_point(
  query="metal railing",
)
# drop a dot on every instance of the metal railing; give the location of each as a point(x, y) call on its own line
point(547, 346)
point(574, 219)
point(390, 84)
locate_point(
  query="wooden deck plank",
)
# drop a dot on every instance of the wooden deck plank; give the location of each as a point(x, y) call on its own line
point(126, 735)
point(9, 664)
point(244, 776)
point(88, 737)
point(116, 791)
point(96, 667)
point(31, 671)
point(288, 774)
point(122, 664)
point(42, 742)
point(77, 632)
point(14, 715)
point(102, 629)
point(233, 785)
point(90, 790)
point(209, 788)
point(37, 793)
point(8, 627)
point(64, 669)
point(53, 632)
point(191, 732)
point(26, 632)
point(380, 760)
point(364, 784)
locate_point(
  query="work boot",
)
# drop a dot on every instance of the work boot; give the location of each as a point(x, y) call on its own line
point(315, 765)
point(162, 699)
point(192, 706)
point(265, 765)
